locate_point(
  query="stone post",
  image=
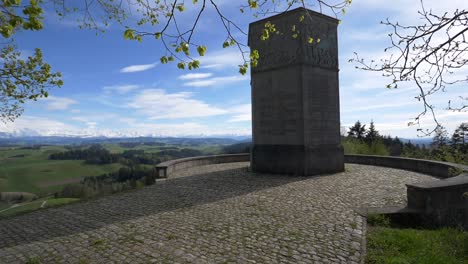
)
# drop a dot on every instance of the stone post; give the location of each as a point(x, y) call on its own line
point(295, 95)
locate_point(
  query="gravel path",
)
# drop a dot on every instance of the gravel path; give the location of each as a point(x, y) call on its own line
point(212, 214)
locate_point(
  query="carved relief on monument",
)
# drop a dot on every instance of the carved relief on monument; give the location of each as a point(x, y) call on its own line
point(283, 49)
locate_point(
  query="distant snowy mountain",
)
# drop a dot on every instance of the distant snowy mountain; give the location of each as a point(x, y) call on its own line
point(23, 138)
point(19, 133)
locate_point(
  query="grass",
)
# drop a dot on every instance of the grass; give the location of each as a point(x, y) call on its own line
point(36, 205)
point(389, 245)
point(99, 243)
point(34, 260)
point(30, 170)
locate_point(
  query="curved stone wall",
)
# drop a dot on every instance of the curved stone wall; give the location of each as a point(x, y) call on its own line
point(166, 168)
point(434, 168)
point(430, 167)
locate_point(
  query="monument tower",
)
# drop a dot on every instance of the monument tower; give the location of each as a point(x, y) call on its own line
point(295, 95)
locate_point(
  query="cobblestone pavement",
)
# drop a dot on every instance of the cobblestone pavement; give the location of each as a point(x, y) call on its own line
point(212, 214)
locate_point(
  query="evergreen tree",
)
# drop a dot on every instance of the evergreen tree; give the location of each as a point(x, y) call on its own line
point(357, 131)
point(440, 138)
point(372, 134)
point(460, 135)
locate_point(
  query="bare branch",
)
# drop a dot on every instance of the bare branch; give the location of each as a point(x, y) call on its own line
point(430, 55)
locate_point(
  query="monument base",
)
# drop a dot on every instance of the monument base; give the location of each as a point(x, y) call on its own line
point(297, 160)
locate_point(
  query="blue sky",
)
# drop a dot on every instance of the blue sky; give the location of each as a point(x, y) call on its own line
point(117, 87)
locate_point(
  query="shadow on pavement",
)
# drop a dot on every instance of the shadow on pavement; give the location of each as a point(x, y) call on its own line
point(164, 196)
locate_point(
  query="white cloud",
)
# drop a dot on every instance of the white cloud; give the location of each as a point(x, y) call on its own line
point(120, 89)
point(58, 103)
point(91, 125)
point(138, 68)
point(221, 59)
point(183, 129)
point(191, 76)
point(216, 81)
point(209, 66)
point(33, 125)
point(241, 113)
point(94, 117)
point(394, 105)
point(157, 104)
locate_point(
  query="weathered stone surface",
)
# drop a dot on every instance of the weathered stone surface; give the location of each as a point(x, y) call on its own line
point(213, 214)
point(443, 202)
point(295, 96)
point(284, 50)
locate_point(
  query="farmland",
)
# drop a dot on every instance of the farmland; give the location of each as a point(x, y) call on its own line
point(29, 169)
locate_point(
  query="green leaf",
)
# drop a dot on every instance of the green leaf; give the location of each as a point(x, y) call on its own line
point(180, 7)
point(253, 4)
point(201, 50)
point(129, 34)
point(243, 68)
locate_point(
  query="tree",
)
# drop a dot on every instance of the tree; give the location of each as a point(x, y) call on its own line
point(21, 79)
point(357, 131)
point(440, 137)
point(460, 135)
point(372, 134)
point(429, 55)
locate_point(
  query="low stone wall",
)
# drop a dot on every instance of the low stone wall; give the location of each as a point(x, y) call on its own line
point(443, 202)
point(430, 167)
point(165, 169)
point(440, 202)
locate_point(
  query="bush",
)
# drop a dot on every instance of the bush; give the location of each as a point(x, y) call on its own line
point(357, 146)
point(378, 220)
point(77, 190)
point(17, 197)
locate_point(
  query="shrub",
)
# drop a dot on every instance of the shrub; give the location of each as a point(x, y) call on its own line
point(357, 146)
point(77, 190)
point(17, 197)
point(378, 220)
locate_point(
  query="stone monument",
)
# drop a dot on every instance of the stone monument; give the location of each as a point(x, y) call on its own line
point(295, 95)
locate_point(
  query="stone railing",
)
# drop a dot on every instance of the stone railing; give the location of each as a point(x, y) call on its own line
point(434, 168)
point(430, 167)
point(440, 202)
point(443, 202)
point(166, 168)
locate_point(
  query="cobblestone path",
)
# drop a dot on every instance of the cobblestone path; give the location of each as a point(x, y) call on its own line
point(212, 214)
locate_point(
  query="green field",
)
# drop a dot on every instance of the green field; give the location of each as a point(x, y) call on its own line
point(205, 148)
point(35, 205)
point(30, 170)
